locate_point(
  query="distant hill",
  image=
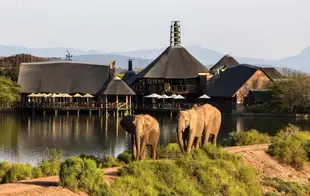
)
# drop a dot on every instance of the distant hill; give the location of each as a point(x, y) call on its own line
point(143, 57)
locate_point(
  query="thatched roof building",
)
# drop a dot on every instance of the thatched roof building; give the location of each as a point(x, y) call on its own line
point(64, 77)
point(118, 87)
point(173, 63)
point(226, 62)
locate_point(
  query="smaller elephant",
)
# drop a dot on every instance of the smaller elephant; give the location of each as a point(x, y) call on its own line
point(189, 129)
point(212, 122)
point(144, 130)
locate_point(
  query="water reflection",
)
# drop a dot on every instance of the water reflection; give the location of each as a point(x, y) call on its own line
point(26, 139)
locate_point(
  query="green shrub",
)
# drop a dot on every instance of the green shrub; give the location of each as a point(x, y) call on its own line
point(125, 157)
point(290, 146)
point(288, 188)
point(79, 174)
point(109, 162)
point(16, 172)
point(209, 171)
point(4, 167)
point(37, 172)
point(49, 168)
point(102, 162)
point(171, 151)
point(251, 137)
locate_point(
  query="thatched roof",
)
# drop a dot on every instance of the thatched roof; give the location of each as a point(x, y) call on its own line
point(118, 87)
point(62, 77)
point(227, 61)
point(129, 74)
point(173, 63)
point(231, 80)
point(271, 72)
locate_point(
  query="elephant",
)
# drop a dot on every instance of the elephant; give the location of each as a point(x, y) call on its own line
point(144, 130)
point(189, 129)
point(212, 122)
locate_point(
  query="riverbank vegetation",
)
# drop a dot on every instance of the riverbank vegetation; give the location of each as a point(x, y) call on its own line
point(9, 92)
point(290, 94)
point(251, 137)
point(290, 146)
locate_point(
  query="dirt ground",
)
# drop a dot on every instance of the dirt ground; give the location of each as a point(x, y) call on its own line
point(254, 155)
point(46, 186)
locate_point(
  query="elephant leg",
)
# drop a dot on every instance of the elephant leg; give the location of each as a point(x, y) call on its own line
point(190, 142)
point(143, 146)
point(207, 134)
point(215, 138)
point(197, 142)
point(185, 142)
point(134, 148)
point(153, 149)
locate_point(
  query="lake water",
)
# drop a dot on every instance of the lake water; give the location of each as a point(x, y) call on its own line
point(26, 139)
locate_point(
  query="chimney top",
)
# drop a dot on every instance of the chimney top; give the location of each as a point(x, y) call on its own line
point(175, 34)
point(130, 64)
point(112, 64)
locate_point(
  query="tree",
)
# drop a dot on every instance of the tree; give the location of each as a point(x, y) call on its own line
point(291, 94)
point(9, 92)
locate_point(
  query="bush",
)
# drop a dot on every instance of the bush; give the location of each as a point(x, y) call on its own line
point(79, 174)
point(50, 165)
point(290, 146)
point(37, 172)
point(251, 137)
point(288, 188)
point(171, 151)
point(125, 157)
point(209, 171)
point(102, 162)
point(16, 172)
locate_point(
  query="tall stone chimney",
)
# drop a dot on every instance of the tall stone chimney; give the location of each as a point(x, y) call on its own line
point(175, 34)
point(112, 69)
point(130, 65)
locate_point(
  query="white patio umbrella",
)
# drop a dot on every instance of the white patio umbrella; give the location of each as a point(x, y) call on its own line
point(87, 95)
point(179, 97)
point(154, 95)
point(66, 95)
point(32, 95)
point(173, 96)
point(163, 97)
point(54, 95)
point(40, 95)
point(204, 97)
point(77, 95)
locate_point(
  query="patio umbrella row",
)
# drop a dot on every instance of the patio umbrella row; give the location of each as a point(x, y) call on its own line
point(156, 96)
point(174, 96)
point(60, 95)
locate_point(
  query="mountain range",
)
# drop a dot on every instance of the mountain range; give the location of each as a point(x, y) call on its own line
point(142, 58)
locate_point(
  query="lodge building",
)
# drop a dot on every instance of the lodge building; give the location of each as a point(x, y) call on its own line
point(67, 84)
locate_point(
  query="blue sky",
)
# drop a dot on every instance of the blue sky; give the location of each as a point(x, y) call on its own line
point(269, 29)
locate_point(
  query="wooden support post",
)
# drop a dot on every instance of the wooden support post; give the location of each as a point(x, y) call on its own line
point(78, 112)
point(56, 112)
point(116, 105)
point(89, 112)
point(106, 105)
point(130, 109)
point(67, 112)
point(126, 103)
point(44, 112)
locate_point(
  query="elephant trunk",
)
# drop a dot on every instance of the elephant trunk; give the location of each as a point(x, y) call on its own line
point(138, 146)
point(180, 138)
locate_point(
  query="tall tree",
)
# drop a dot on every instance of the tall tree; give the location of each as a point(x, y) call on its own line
point(9, 92)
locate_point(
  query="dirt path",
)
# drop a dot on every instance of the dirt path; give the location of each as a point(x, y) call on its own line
point(269, 167)
point(46, 186)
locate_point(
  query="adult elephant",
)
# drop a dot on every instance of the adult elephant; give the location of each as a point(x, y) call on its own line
point(189, 129)
point(212, 122)
point(144, 130)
